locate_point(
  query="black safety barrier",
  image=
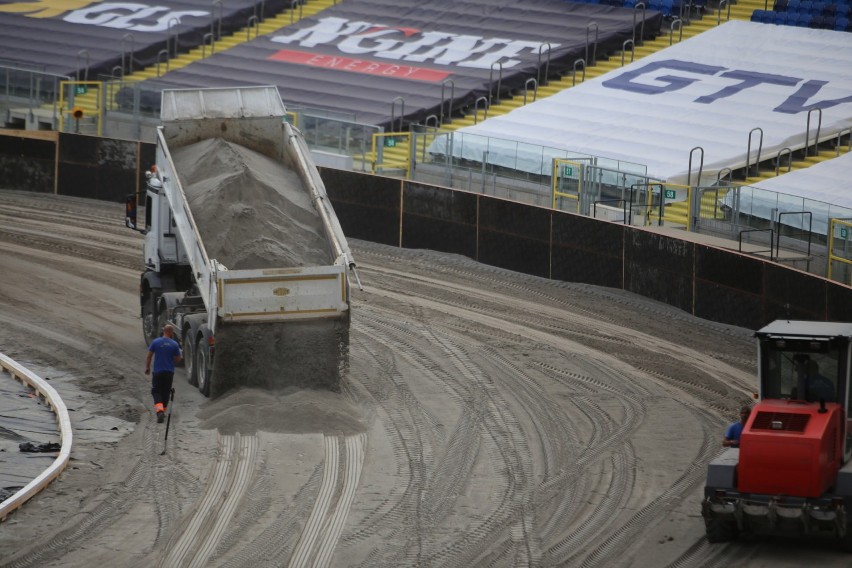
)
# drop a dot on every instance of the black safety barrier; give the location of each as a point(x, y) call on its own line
point(728, 287)
point(514, 236)
point(709, 282)
point(437, 219)
point(28, 163)
point(587, 251)
point(368, 206)
point(98, 168)
point(659, 267)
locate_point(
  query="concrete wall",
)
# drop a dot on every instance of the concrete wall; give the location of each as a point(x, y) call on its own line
point(709, 282)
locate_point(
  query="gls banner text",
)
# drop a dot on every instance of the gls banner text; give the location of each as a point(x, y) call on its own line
point(131, 16)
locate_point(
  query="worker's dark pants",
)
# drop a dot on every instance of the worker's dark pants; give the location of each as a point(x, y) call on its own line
point(161, 386)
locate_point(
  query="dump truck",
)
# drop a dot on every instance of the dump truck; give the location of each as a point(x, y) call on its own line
point(791, 474)
point(225, 159)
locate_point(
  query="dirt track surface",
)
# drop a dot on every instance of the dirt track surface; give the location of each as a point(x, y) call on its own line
point(487, 419)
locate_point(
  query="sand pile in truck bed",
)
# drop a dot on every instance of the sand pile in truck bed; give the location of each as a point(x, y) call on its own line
point(251, 211)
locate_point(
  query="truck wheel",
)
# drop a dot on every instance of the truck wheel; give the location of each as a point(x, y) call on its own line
point(721, 530)
point(149, 317)
point(189, 359)
point(202, 366)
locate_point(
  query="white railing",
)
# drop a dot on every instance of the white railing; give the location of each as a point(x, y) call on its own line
point(53, 400)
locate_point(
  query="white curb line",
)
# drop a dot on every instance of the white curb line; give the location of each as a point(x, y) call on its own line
point(53, 400)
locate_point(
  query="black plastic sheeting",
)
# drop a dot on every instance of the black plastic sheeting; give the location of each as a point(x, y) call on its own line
point(375, 61)
point(94, 38)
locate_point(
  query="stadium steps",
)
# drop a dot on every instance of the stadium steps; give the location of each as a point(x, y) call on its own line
point(767, 170)
point(676, 214)
point(88, 101)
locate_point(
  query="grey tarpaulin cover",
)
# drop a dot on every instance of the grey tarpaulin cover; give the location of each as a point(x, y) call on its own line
point(711, 92)
point(372, 60)
point(66, 38)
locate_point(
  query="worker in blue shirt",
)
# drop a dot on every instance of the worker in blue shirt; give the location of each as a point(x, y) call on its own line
point(165, 352)
point(732, 434)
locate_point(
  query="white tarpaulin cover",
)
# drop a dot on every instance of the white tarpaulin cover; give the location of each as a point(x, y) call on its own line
point(709, 91)
point(824, 189)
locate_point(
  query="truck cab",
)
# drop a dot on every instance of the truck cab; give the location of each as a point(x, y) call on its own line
point(791, 473)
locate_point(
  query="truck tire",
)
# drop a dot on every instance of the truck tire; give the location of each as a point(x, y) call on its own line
point(189, 348)
point(719, 530)
point(202, 366)
point(150, 327)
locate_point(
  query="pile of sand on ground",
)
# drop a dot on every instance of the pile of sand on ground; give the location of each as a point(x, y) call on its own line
point(251, 211)
point(294, 411)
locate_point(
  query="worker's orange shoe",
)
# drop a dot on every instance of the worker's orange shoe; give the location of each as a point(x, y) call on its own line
point(160, 416)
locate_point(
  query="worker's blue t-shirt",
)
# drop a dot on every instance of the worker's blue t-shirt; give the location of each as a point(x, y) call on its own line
point(165, 350)
point(733, 432)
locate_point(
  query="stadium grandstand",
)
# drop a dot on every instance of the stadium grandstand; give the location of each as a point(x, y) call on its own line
point(660, 113)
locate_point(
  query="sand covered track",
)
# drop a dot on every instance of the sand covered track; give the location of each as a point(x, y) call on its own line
point(484, 418)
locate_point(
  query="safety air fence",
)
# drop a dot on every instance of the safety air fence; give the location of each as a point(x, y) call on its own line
point(53, 400)
point(704, 279)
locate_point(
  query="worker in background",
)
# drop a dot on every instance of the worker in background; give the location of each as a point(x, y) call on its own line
point(165, 352)
point(732, 434)
point(820, 387)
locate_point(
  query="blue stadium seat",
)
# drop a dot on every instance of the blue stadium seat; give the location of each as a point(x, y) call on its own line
point(841, 23)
